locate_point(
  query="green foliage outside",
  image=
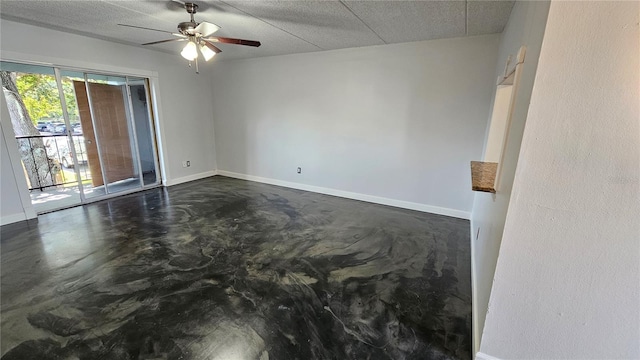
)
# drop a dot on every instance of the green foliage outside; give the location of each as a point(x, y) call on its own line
point(40, 96)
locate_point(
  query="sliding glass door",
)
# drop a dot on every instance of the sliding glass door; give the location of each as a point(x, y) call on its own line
point(91, 137)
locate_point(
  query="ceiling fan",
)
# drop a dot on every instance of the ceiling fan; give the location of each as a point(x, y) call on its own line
point(198, 36)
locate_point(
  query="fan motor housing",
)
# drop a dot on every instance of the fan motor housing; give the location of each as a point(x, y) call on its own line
point(187, 27)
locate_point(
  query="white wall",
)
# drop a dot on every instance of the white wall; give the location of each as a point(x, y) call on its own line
point(14, 204)
point(525, 27)
point(11, 208)
point(396, 121)
point(567, 282)
point(184, 98)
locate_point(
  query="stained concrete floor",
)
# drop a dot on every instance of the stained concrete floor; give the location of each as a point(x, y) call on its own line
point(228, 269)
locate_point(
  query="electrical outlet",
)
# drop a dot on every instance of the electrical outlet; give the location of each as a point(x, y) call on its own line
point(185, 164)
point(299, 170)
point(188, 163)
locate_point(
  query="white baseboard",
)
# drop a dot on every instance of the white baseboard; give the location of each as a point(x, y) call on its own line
point(30, 212)
point(483, 356)
point(351, 195)
point(193, 177)
point(13, 218)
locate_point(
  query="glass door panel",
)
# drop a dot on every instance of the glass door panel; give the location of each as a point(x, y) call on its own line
point(81, 163)
point(40, 128)
point(111, 137)
point(138, 89)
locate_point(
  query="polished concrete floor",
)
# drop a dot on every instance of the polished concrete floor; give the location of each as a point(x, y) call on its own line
point(228, 269)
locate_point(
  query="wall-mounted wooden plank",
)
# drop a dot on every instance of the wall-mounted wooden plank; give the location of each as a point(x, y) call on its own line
point(483, 176)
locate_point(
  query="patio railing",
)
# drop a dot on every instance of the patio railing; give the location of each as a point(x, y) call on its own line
point(48, 159)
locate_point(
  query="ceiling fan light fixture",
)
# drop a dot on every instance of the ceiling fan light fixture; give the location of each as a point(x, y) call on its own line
point(197, 35)
point(190, 51)
point(207, 53)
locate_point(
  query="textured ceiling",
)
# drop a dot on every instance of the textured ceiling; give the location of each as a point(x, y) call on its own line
point(283, 27)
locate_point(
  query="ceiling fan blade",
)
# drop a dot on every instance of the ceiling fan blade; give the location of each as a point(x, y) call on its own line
point(213, 48)
point(226, 40)
point(207, 28)
point(145, 28)
point(164, 41)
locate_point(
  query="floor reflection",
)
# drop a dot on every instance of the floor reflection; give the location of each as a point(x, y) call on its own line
point(228, 269)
